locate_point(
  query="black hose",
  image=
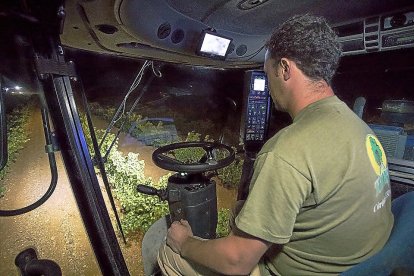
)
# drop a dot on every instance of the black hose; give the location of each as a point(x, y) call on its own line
point(53, 170)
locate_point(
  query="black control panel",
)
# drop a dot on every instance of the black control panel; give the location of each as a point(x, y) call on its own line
point(257, 110)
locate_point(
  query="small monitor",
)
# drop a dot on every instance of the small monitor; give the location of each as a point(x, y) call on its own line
point(213, 45)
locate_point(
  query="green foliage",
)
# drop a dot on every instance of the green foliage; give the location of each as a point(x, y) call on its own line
point(124, 173)
point(134, 124)
point(146, 127)
point(223, 228)
point(139, 210)
point(179, 111)
point(231, 175)
point(17, 135)
point(205, 127)
point(99, 133)
point(190, 155)
point(105, 112)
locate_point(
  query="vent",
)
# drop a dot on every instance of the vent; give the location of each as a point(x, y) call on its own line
point(107, 29)
point(351, 37)
point(134, 45)
point(394, 145)
point(371, 20)
point(392, 138)
point(241, 50)
point(352, 45)
point(177, 36)
point(377, 33)
point(250, 4)
point(371, 34)
point(355, 28)
point(164, 30)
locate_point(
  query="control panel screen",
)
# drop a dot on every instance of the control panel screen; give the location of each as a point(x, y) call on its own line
point(257, 110)
point(259, 84)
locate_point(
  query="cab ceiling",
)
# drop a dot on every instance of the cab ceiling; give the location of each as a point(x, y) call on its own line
point(129, 27)
point(264, 16)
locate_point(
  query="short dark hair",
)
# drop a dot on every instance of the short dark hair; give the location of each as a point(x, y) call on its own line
point(310, 42)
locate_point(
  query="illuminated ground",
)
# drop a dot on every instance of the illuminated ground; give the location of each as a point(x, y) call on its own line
point(55, 229)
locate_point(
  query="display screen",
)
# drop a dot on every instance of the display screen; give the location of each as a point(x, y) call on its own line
point(259, 84)
point(213, 45)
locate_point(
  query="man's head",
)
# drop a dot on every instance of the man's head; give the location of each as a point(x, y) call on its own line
point(310, 43)
point(303, 43)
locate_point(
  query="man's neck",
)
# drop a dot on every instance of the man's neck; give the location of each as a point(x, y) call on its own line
point(308, 94)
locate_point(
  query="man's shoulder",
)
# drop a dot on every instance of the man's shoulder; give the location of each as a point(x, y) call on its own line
point(281, 141)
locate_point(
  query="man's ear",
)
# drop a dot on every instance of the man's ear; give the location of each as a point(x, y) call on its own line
point(285, 64)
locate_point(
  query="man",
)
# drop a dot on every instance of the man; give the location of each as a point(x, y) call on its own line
point(319, 199)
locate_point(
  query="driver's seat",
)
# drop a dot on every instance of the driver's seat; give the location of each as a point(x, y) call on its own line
point(151, 242)
point(397, 256)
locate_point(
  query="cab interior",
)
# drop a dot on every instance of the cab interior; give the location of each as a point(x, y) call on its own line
point(136, 75)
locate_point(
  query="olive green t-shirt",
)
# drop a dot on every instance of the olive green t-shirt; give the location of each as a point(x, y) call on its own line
point(321, 188)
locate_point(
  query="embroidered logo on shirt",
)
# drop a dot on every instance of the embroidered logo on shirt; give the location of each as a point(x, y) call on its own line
point(378, 161)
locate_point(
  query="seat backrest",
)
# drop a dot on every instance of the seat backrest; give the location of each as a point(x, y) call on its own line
point(398, 252)
point(151, 242)
point(359, 106)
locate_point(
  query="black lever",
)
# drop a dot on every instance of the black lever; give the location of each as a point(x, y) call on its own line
point(144, 189)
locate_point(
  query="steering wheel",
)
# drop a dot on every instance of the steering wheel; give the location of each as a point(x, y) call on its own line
point(207, 163)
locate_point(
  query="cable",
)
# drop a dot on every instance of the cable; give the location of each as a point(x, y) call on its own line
point(121, 109)
point(134, 85)
point(250, 56)
point(128, 115)
point(116, 116)
point(53, 170)
point(256, 53)
point(158, 73)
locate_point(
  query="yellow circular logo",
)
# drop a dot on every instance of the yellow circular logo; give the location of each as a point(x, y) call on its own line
point(376, 154)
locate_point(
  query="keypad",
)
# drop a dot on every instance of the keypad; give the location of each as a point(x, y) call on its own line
point(257, 109)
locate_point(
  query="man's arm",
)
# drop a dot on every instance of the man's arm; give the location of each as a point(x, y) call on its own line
point(236, 254)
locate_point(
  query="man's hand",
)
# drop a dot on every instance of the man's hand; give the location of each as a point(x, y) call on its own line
point(177, 234)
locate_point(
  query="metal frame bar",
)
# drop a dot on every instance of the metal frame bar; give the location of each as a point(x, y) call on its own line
point(81, 173)
point(40, 21)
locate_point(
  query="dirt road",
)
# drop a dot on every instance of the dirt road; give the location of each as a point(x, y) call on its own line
point(55, 229)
